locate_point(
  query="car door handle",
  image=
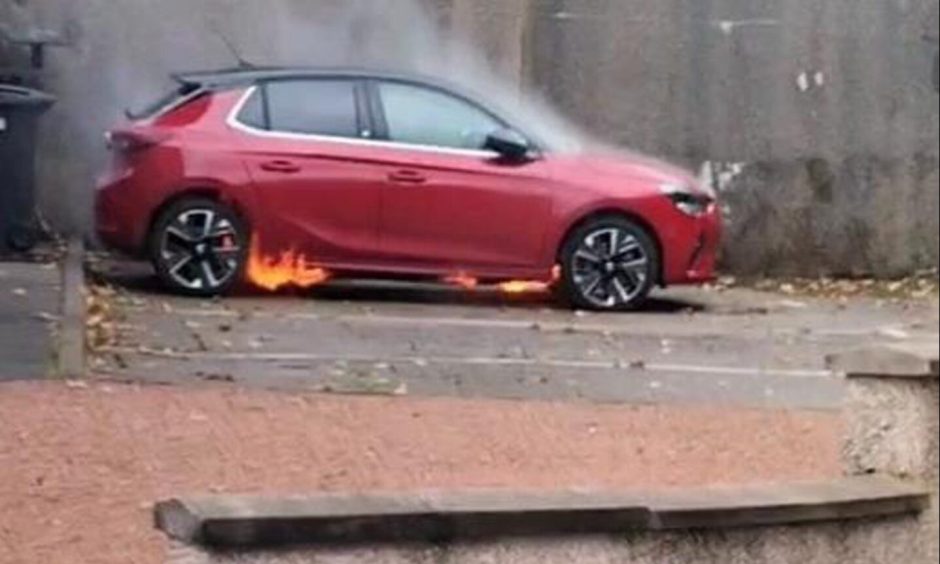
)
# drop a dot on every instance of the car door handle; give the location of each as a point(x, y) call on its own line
point(285, 167)
point(407, 177)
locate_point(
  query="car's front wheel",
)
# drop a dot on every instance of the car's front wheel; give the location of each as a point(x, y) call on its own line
point(609, 264)
point(199, 247)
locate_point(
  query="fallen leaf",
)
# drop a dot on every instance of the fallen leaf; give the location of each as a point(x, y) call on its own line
point(121, 362)
point(218, 378)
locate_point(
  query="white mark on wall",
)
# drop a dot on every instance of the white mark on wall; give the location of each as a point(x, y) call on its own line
point(597, 17)
point(573, 16)
point(721, 176)
point(730, 26)
point(802, 82)
point(809, 79)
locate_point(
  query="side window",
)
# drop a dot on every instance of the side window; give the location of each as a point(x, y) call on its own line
point(422, 116)
point(314, 107)
point(252, 113)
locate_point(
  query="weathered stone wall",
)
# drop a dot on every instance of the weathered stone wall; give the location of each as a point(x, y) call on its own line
point(893, 427)
point(818, 119)
point(877, 542)
point(893, 423)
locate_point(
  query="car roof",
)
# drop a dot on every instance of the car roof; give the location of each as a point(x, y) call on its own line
point(239, 76)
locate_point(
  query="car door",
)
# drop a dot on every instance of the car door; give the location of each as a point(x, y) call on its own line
point(449, 203)
point(319, 190)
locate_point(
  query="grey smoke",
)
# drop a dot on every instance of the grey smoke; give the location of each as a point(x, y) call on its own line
point(123, 51)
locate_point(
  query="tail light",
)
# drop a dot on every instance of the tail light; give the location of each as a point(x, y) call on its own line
point(134, 141)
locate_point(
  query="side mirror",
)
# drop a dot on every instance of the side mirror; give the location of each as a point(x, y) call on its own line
point(510, 145)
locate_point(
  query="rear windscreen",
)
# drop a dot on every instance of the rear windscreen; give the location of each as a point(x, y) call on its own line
point(152, 109)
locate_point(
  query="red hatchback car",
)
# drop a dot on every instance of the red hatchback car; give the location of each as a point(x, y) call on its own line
point(363, 173)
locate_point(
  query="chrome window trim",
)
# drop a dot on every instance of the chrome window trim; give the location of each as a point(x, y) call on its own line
point(234, 123)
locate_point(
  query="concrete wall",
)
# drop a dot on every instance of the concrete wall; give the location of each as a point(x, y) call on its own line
point(818, 119)
point(821, 115)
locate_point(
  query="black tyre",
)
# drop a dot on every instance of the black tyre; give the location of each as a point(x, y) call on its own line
point(609, 264)
point(199, 247)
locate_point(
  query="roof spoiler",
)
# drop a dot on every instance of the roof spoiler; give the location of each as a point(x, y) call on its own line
point(208, 78)
point(201, 78)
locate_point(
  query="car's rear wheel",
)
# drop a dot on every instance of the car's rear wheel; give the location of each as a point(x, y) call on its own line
point(609, 264)
point(199, 247)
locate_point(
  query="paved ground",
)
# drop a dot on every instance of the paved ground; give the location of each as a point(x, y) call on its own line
point(82, 465)
point(691, 346)
point(29, 304)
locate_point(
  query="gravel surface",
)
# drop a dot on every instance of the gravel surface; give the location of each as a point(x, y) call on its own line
point(82, 464)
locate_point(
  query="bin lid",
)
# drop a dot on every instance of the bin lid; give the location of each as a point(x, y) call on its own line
point(18, 96)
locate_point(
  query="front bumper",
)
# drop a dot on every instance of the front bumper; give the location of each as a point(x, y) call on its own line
point(691, 253)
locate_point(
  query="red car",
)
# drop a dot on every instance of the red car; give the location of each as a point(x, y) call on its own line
point(361, 173)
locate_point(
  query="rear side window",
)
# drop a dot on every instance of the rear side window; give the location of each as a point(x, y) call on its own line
point(156, 107)
point(252, 113)
point(313, 107)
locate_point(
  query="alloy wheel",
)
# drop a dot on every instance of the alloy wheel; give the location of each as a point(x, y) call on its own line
point(610, 268)
point(200, 250)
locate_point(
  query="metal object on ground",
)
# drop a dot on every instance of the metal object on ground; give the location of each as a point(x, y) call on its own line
point(20, 109)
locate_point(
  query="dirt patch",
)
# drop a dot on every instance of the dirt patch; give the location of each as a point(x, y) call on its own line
point(923, 286)
point(81, 464)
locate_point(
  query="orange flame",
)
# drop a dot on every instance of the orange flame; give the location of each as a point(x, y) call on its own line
point(524, 287)
point(468, 282)
point(465, 281)
point(290, 268)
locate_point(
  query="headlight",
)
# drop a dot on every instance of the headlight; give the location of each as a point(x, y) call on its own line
point(687, 200)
